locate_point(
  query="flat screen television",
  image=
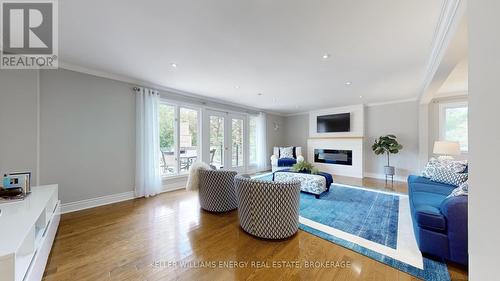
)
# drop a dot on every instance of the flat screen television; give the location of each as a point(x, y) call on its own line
point(334, 123)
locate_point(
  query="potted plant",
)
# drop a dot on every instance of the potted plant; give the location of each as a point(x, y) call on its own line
point(305, 167)
point(389, 145)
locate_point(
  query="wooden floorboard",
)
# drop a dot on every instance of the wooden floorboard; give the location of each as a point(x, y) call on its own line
point(162, 238)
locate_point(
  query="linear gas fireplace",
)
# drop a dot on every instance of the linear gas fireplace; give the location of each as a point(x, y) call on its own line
point(332, 156)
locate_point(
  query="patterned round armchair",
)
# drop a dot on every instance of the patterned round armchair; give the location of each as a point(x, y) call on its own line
point(268, 209)
point(217, 193)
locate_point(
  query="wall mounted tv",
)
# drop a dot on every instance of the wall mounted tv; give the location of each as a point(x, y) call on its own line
point(334, 123)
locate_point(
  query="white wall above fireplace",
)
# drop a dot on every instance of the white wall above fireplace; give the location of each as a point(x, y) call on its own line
point(354, 144)
point(357, 121)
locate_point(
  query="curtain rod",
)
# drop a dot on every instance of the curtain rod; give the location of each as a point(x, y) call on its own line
point(136, 89)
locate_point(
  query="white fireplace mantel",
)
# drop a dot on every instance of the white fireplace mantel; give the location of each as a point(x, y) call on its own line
point(352, 140)
point(354, 144)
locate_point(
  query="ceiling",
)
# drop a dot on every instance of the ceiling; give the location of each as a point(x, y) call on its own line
point(232, 50)
point(457, 82)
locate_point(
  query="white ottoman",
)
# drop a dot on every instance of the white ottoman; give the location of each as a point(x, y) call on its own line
point(314, 184)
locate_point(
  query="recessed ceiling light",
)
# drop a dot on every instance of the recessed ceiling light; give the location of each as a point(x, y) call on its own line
point(326, 56)
point(236, 87)
point(348, 83)
point(174, 65)
point(360, 97)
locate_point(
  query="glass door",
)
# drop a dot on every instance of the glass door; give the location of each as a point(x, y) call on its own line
point(179, 134)
point(217, 146)
point(225, 135)
point(237, 143)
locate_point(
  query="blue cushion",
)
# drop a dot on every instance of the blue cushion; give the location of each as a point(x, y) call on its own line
point(286, 162)
point(427, 198)
point(421, 184)
point(426, 210)
point(430, 217)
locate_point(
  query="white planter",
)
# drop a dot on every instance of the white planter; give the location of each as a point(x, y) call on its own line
point(389, 170)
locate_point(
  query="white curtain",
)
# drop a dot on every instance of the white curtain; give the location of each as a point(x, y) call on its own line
point(262, 154)
point(147, 163)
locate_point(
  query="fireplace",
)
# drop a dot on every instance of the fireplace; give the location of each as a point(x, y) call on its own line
point(333, 156)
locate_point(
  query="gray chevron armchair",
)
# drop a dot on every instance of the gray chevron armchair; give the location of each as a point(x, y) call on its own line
point(268, 209)
point(216, 191)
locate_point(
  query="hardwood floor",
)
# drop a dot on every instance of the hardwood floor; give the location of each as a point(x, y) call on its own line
point(168, 237)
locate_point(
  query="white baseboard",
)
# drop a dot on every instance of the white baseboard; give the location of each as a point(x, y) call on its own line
point(96, 202)
point(176, 184)
point(382, 177)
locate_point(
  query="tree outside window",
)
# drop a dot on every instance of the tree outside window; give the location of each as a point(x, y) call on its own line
point(453, 124)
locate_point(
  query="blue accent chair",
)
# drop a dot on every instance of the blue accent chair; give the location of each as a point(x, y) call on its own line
point(440, 223)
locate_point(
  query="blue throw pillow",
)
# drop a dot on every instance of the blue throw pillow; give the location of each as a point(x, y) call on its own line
point(449, 177)
point(435, 164)
point(463, 189)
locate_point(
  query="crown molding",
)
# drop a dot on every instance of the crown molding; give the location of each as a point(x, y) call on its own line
point(391, 102)
point(138, 82)
point(414, 99)
point(297, 113)
point(451, 13)
point(455, 94)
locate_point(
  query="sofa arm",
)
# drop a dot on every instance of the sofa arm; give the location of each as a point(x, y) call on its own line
point(300, 158)
point(455, 211)
point(274, 160)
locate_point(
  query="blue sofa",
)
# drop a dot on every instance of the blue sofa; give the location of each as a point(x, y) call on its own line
point(440, 223)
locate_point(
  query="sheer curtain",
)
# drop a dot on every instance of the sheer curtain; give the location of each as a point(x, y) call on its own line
point(262, 156)
point(147, 163)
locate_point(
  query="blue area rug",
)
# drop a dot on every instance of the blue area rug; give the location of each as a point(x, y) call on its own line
point(367, 214)
point(370, 215)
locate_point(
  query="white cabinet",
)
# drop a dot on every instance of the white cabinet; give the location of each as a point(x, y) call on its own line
point(27, 231)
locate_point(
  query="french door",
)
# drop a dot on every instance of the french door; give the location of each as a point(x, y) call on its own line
point(178, 132)
point(224, 136)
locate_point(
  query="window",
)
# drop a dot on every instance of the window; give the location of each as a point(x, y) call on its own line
point(252, 140)
point(188, 133)
point(168, 163)
point(178, 140)
point(453, 121)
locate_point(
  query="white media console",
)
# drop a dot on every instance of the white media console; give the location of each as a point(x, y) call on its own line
point(27, 231)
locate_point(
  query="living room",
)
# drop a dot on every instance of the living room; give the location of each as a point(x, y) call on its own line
point(238, 141)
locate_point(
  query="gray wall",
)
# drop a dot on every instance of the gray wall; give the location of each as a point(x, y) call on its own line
point(275, 137)
point(297, 131)
point(484, 138)
point(87, 130)
point(87, 135)
point(18, 121)
point(400, 119)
